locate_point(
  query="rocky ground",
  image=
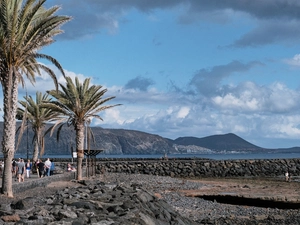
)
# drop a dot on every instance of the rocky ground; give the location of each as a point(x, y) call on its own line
point(174, 191)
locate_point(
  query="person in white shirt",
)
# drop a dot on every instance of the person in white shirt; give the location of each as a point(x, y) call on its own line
point(47, 166)
point(286, 176)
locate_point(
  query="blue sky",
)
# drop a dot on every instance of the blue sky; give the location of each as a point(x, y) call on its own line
point(188, 67)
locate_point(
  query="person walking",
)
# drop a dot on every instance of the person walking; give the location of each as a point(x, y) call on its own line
point(52, 168)
point(28, 168)
point(41, 168)
point(47, 167)
point(1, 168)
point(21, 170)
point(14, 169)
point(287, 176)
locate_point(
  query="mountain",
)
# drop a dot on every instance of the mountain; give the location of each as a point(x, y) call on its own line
point(112, 141)
point(224, 142)
point(121, 141)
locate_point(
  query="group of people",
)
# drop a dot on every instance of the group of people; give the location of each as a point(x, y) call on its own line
point(44, 168)
point(19, 168)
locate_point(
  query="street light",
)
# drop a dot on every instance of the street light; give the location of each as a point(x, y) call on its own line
point(87, 136)
point(27, 139)
point(20, 117)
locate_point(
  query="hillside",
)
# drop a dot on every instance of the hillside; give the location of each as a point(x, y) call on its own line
point(120, 141)
point(112, 141)
point(223, 142)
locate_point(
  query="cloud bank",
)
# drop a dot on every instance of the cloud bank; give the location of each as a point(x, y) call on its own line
point(274, 21)
point(205, 107)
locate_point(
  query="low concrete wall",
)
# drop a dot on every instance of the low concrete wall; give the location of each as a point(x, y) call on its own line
point(204, 168)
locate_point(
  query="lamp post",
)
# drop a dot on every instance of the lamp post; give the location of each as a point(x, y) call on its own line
point(27, 139)
point(87, 136)
point(87, 146)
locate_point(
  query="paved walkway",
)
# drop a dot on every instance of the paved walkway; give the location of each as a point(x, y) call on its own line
point(32, 176)
point(35, 181)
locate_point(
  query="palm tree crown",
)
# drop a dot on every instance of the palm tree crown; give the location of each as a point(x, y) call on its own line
point(77, 103)
point(25, 28)
point(37, 116)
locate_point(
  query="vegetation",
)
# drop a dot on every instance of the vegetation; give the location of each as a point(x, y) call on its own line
point(77, 103)
point(36, 116)
point(25, 27)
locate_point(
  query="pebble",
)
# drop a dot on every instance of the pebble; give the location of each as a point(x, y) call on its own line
point(136, 199)
point(204, 211)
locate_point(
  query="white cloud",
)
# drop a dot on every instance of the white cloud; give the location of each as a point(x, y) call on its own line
point(183, 112)
point(112, 114)
point(282, 126)
point(232, 102)
point(250, 97)
point(295, 61)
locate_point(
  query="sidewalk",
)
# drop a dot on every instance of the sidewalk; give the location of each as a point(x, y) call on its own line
point(32, 176)
point(35, 181)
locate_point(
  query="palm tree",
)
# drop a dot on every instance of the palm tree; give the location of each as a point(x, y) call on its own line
point(78, 103)
point(37, 116)
point(26, 26)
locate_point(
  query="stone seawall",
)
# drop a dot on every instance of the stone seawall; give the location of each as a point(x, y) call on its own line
point(203, 168)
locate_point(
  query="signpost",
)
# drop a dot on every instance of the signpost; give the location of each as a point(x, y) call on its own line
point(91, 161)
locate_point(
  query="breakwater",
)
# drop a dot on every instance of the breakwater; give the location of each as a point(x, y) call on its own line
point(202, 167)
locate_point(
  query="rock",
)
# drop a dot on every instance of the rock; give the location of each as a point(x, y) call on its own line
point(96, 203)
point(11, 218)
point(67, 214)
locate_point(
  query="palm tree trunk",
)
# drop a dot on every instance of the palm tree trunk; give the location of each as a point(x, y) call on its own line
point(10, 100)
point(37, 144)
point(36, 151)
point(79, 148)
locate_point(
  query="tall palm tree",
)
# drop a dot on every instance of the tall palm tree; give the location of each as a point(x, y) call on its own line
point(37, 117)
point(78, 103)
point(26, 26)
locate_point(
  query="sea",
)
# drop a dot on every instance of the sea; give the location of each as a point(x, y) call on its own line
point(172, 156)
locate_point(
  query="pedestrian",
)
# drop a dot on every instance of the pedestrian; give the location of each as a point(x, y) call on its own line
point(35, 167)
point(1, 168)
point(287, 176)
point(52, 168)
point(21, 170)
point(28, 168)
point(47, 167)
point(14, 168)
point(41, 168)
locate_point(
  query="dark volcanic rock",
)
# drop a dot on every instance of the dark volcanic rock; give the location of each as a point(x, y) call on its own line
point(96, 203)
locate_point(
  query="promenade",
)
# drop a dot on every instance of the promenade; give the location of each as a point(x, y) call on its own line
point(35, 181)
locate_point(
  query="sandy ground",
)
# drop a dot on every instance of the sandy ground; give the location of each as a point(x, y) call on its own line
point(260, 188)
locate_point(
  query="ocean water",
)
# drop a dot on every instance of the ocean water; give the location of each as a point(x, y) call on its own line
point(208, 156)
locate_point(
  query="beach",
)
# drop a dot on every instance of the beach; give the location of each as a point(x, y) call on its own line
point(175, 192)
point(205, 211)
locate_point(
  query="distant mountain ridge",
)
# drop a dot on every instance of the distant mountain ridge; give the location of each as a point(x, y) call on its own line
point(221, 142)
point(121, 141)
